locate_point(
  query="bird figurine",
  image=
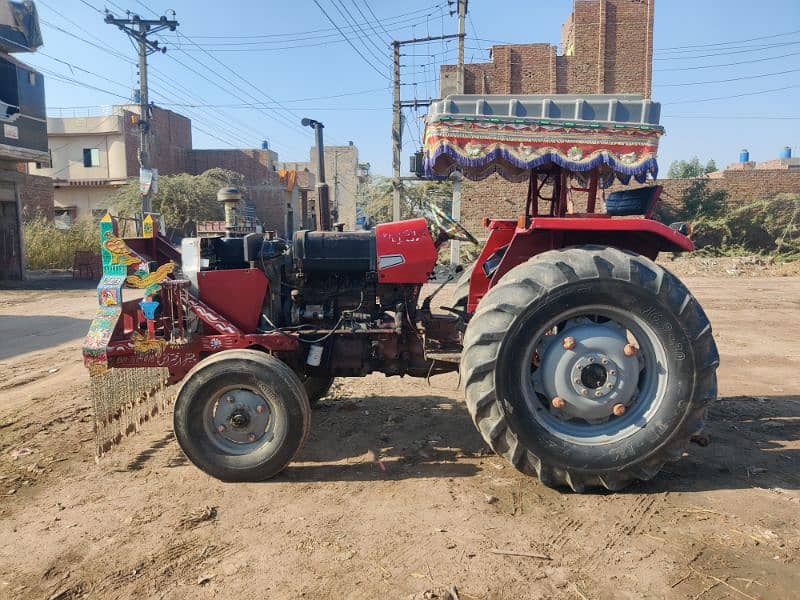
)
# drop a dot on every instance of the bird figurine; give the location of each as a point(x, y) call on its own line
point(120, 253)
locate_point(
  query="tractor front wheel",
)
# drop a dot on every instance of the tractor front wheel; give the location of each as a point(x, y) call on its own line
point(241, 415)
point(589, 367)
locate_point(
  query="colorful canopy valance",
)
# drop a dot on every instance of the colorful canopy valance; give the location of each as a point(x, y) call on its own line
point(479, 145)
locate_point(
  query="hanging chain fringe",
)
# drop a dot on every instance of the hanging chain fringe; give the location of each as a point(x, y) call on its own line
point(126, 399)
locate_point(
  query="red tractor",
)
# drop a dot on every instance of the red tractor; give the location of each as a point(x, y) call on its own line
point(584, 362)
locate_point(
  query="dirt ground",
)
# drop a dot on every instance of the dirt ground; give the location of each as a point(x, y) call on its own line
point(395, 495)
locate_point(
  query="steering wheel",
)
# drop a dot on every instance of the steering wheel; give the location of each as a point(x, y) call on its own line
point(452, 228)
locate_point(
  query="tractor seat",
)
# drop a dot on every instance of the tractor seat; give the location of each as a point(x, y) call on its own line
point(638, 201)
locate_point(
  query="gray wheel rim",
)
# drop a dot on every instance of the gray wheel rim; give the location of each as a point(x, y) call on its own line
point(239, 420)
point(579, 422)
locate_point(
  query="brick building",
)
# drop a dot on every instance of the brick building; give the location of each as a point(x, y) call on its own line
point(606, 48)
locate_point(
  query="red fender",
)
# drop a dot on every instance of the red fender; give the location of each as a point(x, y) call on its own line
point(516, 245)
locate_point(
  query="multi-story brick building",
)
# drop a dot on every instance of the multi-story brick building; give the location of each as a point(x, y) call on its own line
point(606, 48)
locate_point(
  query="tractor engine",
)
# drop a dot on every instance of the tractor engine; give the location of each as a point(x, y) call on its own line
point(349, 295)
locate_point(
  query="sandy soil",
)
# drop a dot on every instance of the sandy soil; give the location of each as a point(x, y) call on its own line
point(431, 515)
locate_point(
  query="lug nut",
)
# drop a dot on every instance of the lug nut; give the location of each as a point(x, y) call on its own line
point(221, 428)
point(576, 380)
point(598, 393)
point(584, 392)
point(618, 410)
point(569, 343)
point(558, 402)
point(230, 399)
point(252, 437)
point(630, 350)
point(260, 408)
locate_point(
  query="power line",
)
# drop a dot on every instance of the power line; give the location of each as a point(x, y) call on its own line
point(348, 17)
point(759, 93)
point(364, 58)
point(286, 119)
point(755, 49)
point(733, 64)
point(688, 83)
point(765, 37)
point(377, 20)
point(336, 31)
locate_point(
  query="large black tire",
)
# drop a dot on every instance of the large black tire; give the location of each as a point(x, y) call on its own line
point(317, 388)
point(255, 388)
point(461, 293)
point(526, 300)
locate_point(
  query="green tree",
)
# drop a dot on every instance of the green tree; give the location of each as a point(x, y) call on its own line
point(182, 199)
point(416, 197)
point(681, 169)
point(700, 201)
point(711, 167)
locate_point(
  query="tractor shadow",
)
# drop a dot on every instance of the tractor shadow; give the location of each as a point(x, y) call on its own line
point(388, 438)
point(755, 443)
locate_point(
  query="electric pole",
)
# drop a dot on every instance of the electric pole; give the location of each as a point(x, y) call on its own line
point(138, 30)
point(462, 16)
point(397, 136)
point(455, 245)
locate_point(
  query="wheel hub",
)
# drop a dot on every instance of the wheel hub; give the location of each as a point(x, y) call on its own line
point(590, 372)
point(242, 416)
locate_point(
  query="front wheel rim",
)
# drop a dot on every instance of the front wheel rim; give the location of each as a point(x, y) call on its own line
point(239, 420)
point(581, 385)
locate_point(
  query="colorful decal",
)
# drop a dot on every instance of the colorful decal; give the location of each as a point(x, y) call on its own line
point(119, 252)
point(148, 227)
point(142, 344)
point(95, 355)
point(149, 281)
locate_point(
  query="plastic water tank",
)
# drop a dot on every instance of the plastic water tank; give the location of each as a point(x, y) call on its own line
point(786, 153)
point(265, 145)
point(744, 156)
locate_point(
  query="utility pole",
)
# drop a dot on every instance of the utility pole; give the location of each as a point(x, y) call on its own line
point(397, 136)
point(455, 245)
point(462, 17)
point(138, 30)
point(397, 119)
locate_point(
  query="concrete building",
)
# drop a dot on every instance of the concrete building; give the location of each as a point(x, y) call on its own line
point(345, 176)
point(92, 156)
point(606, 48)
point(23, 137)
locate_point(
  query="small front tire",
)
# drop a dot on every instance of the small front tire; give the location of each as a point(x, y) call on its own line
point(241, 415)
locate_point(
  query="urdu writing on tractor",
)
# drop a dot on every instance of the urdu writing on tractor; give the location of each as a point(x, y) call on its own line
point(584, 362)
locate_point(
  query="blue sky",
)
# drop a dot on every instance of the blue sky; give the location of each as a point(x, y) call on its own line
point(286, 57)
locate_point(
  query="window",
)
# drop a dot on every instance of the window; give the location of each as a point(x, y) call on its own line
point(48, 164)
point(91, 157)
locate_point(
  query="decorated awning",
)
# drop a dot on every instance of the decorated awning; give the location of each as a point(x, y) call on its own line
point(482, 135)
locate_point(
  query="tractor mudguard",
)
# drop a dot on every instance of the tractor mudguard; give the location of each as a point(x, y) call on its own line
point(509, 245)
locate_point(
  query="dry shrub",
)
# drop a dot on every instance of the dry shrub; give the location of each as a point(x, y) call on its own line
point(48, 247)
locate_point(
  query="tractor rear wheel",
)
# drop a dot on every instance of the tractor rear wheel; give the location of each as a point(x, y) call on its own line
point(241, 415)
point(589, 367)
point(317, 387)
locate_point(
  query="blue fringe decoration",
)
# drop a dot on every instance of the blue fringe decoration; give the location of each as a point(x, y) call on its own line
point(623, 172)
